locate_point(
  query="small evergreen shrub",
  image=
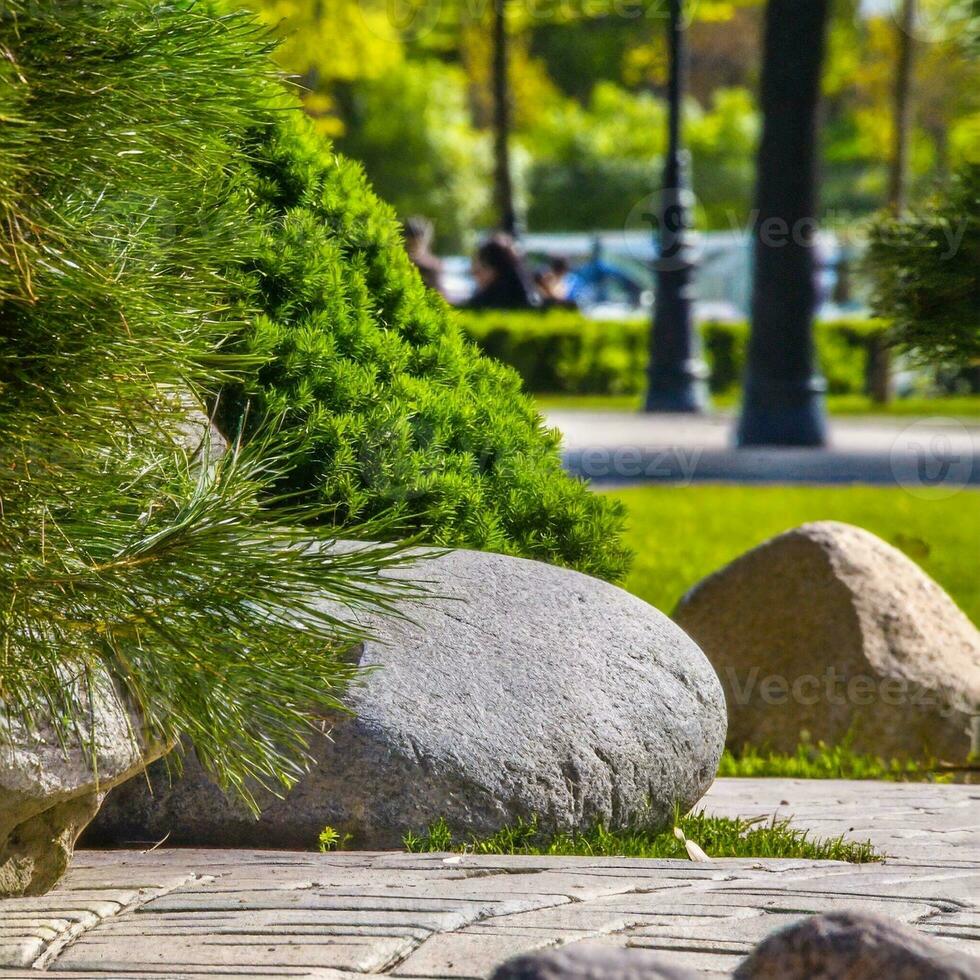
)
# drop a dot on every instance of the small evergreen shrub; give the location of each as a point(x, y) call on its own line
point(395, 412)
point(564, 352)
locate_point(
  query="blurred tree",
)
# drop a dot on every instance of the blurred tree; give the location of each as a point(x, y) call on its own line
point(558, 54)
point(902, 119)
point(323, 42)
point(411, 129)
point(503, 183)
point(860, 88)
point(591, 166)
point(464, 29)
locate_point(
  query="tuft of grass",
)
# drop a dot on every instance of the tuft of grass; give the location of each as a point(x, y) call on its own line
point(822, 761)
point(332, 840)
point(718, 837)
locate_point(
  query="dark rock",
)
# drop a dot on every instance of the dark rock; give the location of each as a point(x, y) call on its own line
point(851, 946)
point(590, 962)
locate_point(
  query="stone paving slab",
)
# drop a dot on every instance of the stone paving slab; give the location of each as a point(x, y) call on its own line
point(191, 913)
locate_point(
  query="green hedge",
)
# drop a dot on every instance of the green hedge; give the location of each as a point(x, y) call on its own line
point(564, 352)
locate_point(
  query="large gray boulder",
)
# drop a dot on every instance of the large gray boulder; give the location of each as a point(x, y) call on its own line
point(852, 946)
point(829, 629)
point(525, 690)
point(51, 785)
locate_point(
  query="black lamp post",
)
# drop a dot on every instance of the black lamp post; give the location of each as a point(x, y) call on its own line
point(783, 398)
point(676, 376)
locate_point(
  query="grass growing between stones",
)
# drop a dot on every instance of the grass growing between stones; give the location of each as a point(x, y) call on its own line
point(682, 534)
point(718, 837)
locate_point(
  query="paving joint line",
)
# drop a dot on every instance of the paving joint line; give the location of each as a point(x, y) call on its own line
point(74, 933)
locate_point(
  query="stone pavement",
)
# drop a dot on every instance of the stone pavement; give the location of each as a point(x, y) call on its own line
point(187, 913)
point(620, 447)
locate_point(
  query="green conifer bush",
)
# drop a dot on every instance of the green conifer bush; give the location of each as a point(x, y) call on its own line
point(925, 271)
point(125, 211)
point(395, 411)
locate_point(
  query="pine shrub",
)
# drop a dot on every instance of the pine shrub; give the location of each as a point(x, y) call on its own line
point(925, 271)
point(123, 552)
point(396, 412)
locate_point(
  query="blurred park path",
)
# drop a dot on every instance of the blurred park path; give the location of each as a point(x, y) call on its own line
point(934, 457)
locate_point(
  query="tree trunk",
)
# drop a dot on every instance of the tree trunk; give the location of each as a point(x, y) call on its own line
point(783, 401)
point(503, 185)
point(902, 120)
point(879, 373)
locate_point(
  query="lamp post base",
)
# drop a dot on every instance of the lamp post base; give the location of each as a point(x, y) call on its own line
point(687, 392)
point(783, 413)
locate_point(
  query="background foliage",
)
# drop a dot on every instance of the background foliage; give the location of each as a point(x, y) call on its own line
point(588, 85)
point(411, 130)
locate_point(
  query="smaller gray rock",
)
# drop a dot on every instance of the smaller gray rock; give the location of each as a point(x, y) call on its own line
point(851, 946)
point(585, 962)
point(197, 434)
point(50, 791)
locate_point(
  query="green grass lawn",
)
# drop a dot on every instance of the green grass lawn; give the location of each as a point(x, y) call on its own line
point(682, 534)
point(964, 407)
point(822, 761)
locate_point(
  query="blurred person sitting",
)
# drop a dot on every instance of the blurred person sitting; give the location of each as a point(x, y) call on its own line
point(554, 284)
point(501, 280)
point(419, 233)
